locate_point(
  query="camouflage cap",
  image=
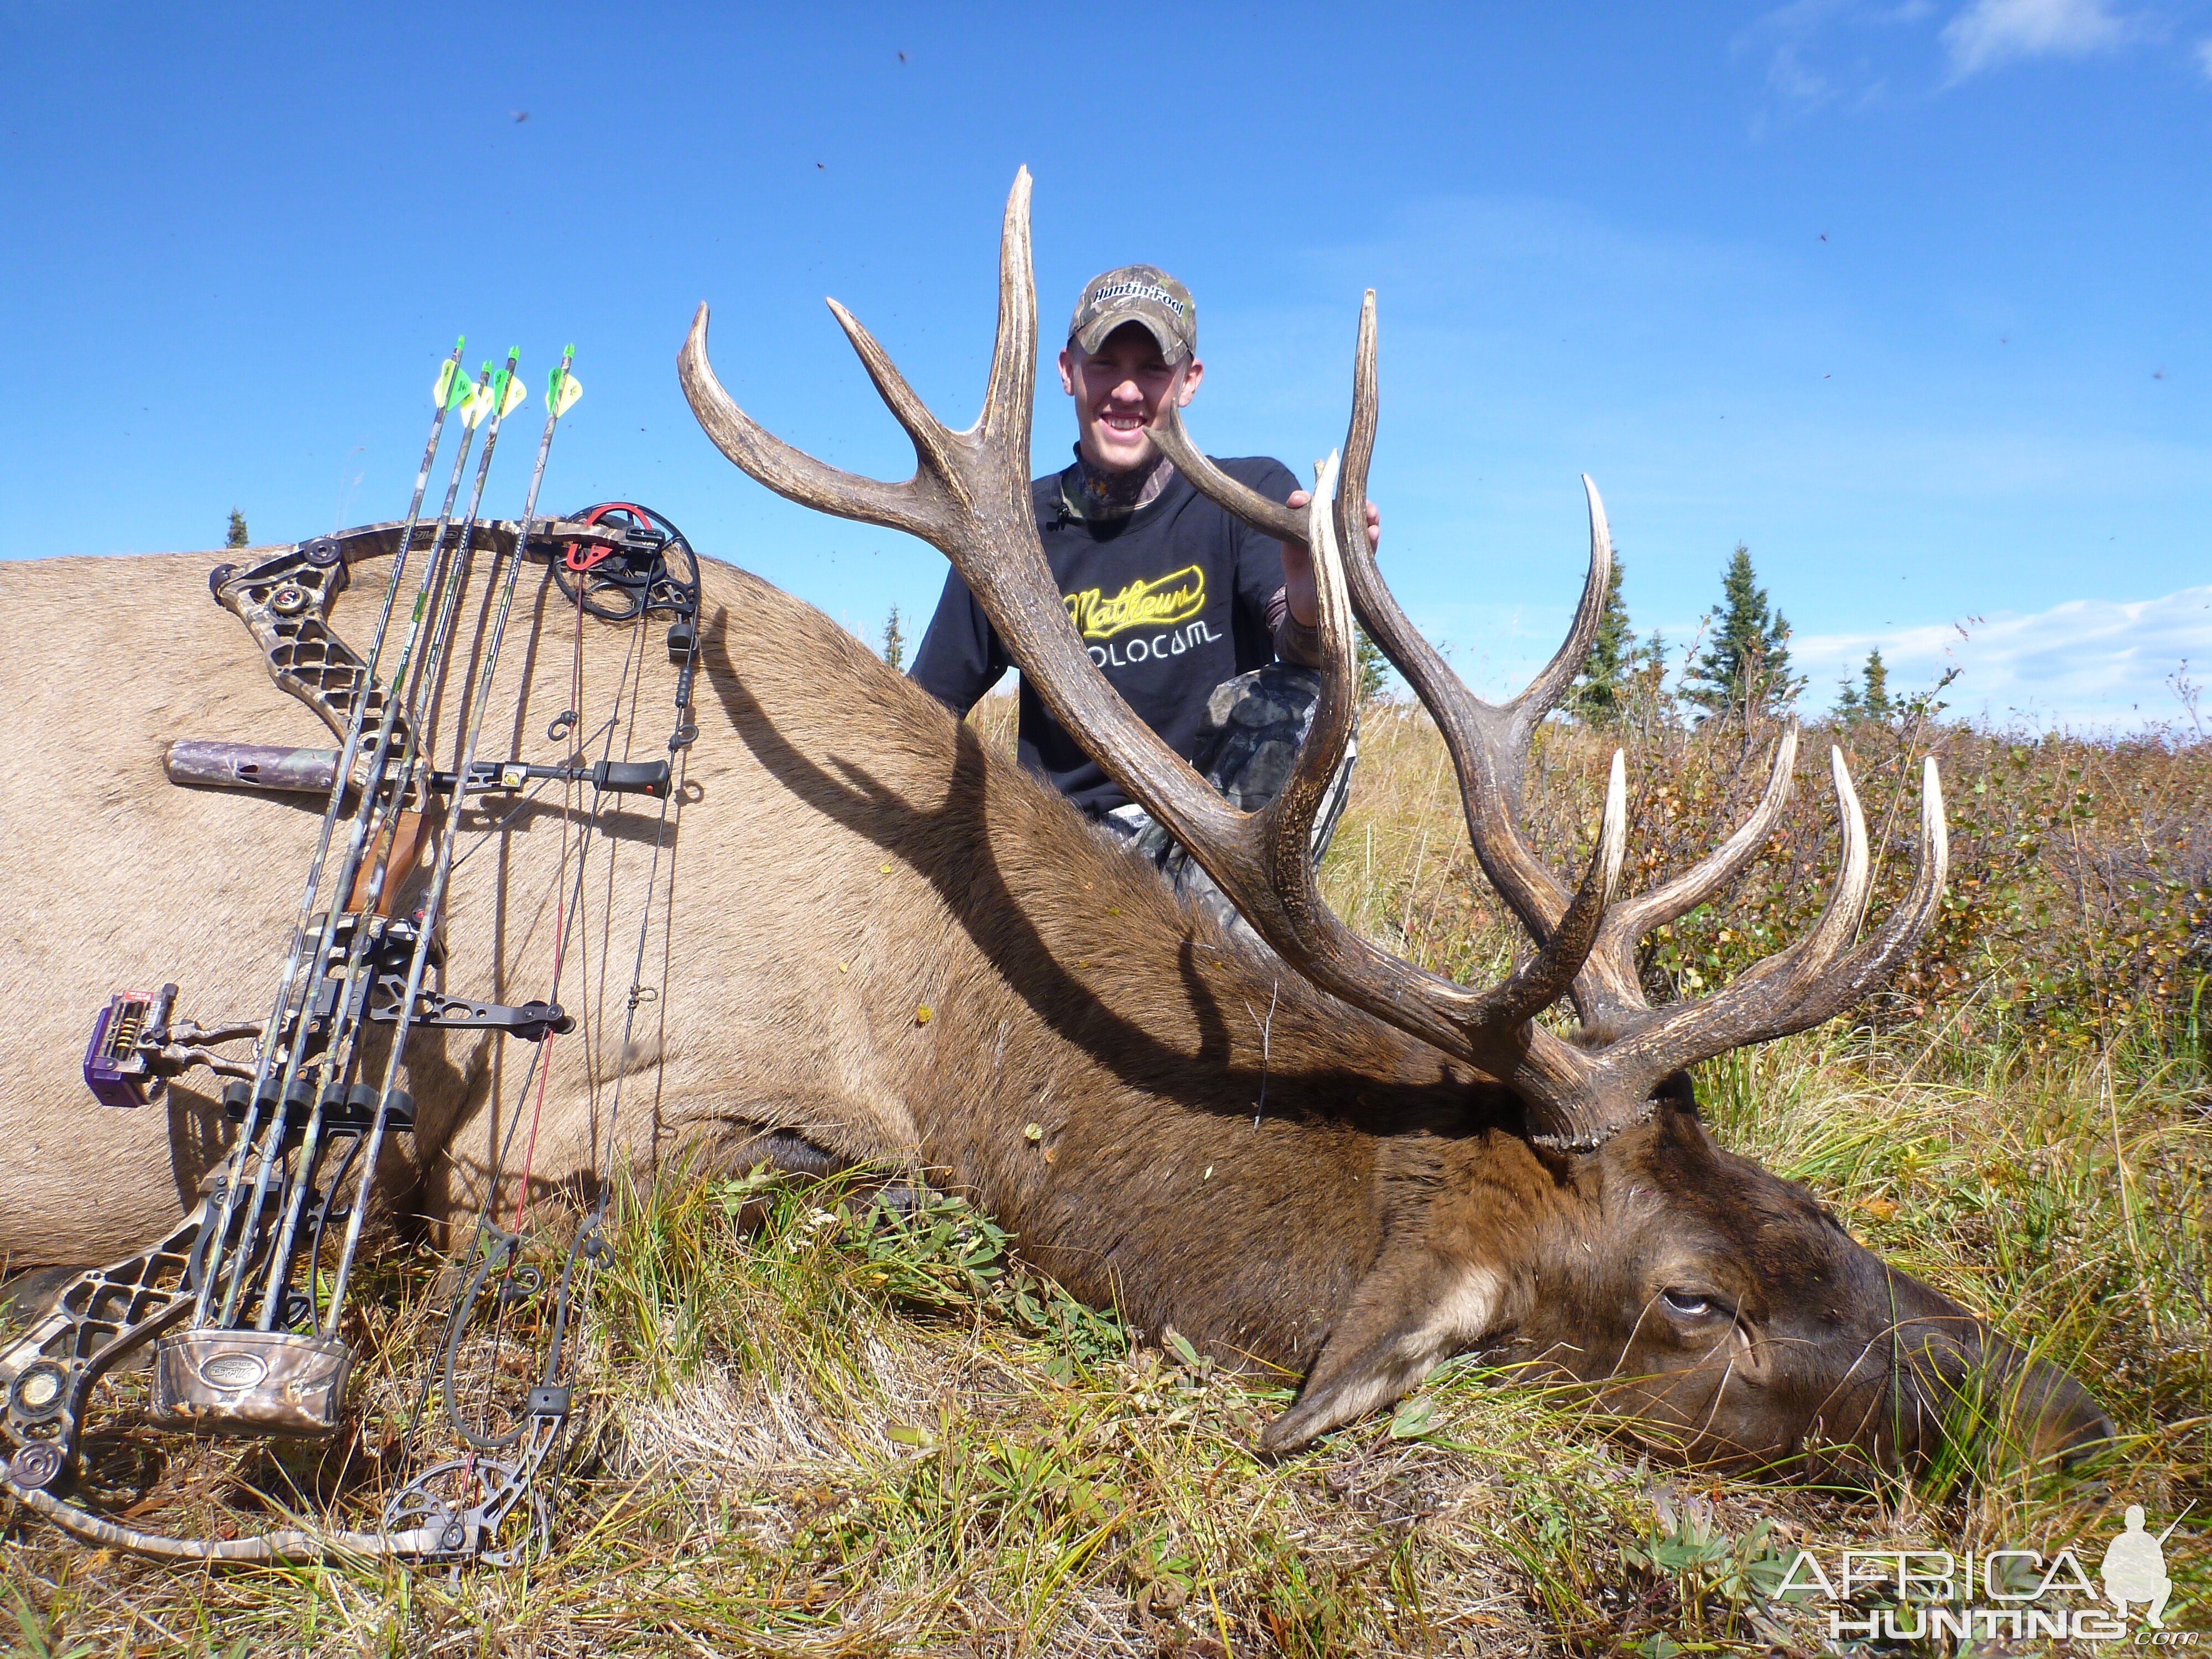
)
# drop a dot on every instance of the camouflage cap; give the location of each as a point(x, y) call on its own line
point(1137, 293)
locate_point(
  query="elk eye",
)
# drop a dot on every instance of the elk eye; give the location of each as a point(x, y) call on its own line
point(1688, 1304)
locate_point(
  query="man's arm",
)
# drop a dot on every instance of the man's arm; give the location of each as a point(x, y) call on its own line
point(961, 656)
point(1304, 604)
point(1277, 577)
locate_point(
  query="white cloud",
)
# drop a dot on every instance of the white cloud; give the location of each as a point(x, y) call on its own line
point(2085, 663)
point(2204, 58)
point(1992, 32)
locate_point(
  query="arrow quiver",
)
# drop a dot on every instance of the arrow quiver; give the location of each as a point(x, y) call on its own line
point(243, 1302)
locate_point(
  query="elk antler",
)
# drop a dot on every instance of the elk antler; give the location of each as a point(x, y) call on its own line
point(1606, 1082)
point(969, 496)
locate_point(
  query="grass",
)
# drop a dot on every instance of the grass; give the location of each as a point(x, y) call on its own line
point(844, 1432)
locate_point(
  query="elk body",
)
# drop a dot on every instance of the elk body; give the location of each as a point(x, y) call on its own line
point(888, 944)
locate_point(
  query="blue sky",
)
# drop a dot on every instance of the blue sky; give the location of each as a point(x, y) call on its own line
point(1911, 299)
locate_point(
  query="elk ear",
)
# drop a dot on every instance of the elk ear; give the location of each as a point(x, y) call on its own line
point(1408, 1315)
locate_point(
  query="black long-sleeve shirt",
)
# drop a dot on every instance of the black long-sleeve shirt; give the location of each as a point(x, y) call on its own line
point(1172, 600)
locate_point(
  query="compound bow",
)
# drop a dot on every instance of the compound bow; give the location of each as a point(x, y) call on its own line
point(244, 1298)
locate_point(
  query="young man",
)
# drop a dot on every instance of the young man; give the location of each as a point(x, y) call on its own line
point(1185, 609)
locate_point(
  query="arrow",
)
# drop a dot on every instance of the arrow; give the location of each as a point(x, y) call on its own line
point(452, 389)
point(508, 387)
point(563, 388)
point(476, 403)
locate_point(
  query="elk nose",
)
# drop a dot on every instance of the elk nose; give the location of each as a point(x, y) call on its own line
point(2063, 1419)
point(1971, 1382)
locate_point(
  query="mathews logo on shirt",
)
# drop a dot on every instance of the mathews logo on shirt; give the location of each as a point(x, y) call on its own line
point(1156, 602)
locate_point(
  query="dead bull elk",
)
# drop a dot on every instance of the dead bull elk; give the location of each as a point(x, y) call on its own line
point(1434, 1171)
point(1438, 1171)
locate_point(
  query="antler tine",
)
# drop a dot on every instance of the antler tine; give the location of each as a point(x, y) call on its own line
point(992, 455)
point(1359, 436)
point(1609, 986)
point(788, 471)
point(1325, 945)
point(1012, 392)
point(1485, 740)
point(936, 462)
point(1286, 822)
point(1873, 958)
point(1551, 685)
point(1810, 981)
point(1240, 500)
point(1840, 918)
point(1489, 1027)
point(1581, 926)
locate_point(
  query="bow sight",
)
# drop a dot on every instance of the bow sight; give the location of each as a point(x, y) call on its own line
point(243, 1299)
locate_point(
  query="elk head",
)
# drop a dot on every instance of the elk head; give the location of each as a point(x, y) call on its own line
point(1715, 1306)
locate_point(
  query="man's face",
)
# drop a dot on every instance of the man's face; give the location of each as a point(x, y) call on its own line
point(1118, 390)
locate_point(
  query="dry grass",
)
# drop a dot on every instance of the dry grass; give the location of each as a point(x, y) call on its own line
point(839, 1436)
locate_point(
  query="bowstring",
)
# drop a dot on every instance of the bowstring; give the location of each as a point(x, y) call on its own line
point(542, 1064)
point(569, 912)
point(570, 1297)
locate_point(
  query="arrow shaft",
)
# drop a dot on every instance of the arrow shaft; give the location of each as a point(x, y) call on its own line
point(448, 837)
point(288, 978)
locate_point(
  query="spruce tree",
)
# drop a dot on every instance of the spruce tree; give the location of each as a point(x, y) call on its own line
point(894, 641)
point(1873, 702)
point(1876, 701)
point(1600, 693)
point(1745, 671)
point(238, 537)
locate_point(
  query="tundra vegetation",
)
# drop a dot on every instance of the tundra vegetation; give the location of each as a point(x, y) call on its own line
point(833, 1433)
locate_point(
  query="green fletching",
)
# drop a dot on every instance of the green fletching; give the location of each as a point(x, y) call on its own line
point(475, 405)
point(507, 387)
point(561, 391)
point(452, 386)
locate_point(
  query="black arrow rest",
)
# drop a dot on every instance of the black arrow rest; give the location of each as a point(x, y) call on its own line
point(243, 1302)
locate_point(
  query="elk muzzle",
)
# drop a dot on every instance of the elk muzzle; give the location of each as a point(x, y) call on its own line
point(1907, 1378)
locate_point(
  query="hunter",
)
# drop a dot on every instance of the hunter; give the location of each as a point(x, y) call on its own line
point(1205, 625)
